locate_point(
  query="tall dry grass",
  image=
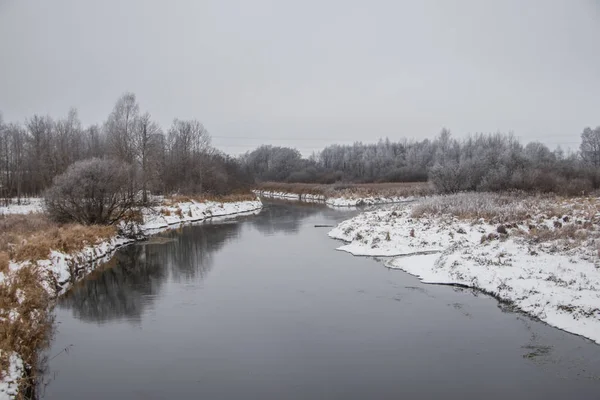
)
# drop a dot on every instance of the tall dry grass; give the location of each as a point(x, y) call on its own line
point(26, 322)
point(4, 260)
point(33, 236)
point(498, 207)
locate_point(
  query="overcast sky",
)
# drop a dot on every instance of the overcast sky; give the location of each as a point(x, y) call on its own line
point(308, 73)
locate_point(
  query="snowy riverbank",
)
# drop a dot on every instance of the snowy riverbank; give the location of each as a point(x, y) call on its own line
point(61, 270)
point(63, 266)
point(342, 201)
point(544, 261)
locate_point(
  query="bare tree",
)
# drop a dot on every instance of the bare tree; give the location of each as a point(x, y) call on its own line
point(590, 146)
point(67, 146)
point(189, 144)
point(120, 127)
point(94, 191)
point(146, 139)
point(94, 142)
point(4, 163)
point(40, 167)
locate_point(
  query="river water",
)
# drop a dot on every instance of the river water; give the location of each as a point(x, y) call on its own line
point(263, 307)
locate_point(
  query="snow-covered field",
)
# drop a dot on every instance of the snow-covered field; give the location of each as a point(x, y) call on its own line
point(28, 205)
point(342, 201)
point(61, 269)
point(546, 265)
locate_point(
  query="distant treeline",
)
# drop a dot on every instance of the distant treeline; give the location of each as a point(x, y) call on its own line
point(179, 160)
point(182, 160)
point(482, 162)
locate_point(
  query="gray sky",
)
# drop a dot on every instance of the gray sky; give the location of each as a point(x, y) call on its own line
point(308, 73)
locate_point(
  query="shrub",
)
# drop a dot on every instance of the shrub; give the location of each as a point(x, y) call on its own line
point(93, 191)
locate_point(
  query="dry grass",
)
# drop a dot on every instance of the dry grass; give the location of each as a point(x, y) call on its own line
point(26, 322)
point(402, 189)
point(496, 207)
point(32, 236)
point(568, 232)
point(4, 259)
point(566, 223)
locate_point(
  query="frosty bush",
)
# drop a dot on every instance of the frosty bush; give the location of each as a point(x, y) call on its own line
point(93, 191)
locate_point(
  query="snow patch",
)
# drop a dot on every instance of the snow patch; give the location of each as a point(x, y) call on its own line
point(25, 206)
point(9, 384)
point(342, 201)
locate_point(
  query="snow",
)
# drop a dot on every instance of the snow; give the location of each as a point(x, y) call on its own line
point(27, 206)
point(365, 201)
point(342, 201)
point(555, 281)
point(192, 211)
point(9, 383)
point(307, 197)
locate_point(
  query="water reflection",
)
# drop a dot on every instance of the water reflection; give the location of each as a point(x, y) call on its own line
point(277, 217)
point(190, 253)
point(118, 289)
point(133, 279)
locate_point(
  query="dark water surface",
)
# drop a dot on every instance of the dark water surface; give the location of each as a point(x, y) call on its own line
point(265, 308)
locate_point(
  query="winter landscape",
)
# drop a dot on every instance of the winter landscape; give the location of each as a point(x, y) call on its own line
point(318, 200)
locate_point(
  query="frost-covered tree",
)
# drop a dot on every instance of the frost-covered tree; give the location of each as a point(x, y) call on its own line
point(147, 137)
point(590, 146)
point(188, 147)
point(120, 128)
point(272, 163)
point(93, 191)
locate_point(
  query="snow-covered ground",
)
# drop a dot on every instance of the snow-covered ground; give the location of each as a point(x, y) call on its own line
point(9, 385)
point(26, 206)
point(192, 211)
point(291, 196)
point(61, 269)
point(342, 201)
point(555, 279)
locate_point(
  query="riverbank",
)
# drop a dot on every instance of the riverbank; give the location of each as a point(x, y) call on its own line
point(346, 195)
point(539, 253)
point(29, 284)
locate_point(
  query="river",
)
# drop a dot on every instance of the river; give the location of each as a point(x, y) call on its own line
point(263, 307)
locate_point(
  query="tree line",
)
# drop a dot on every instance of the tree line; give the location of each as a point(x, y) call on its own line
point(181, 159)
point(482, 162)
point(178, 160)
